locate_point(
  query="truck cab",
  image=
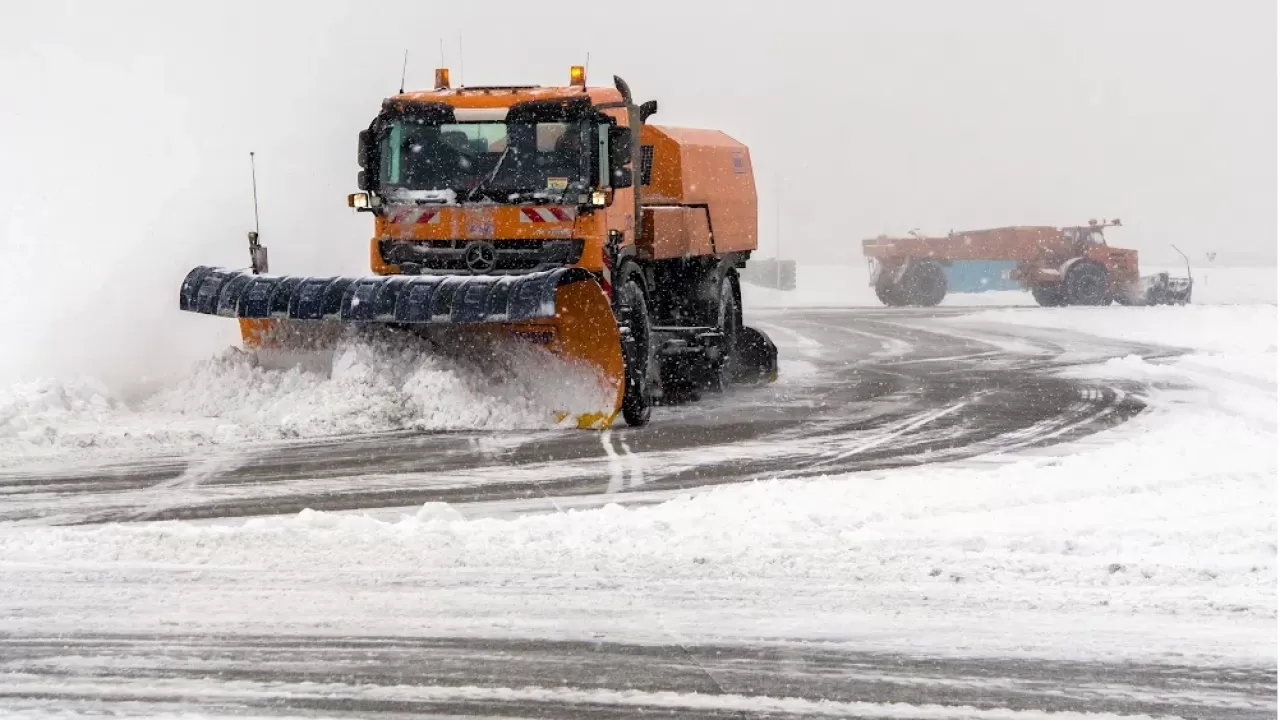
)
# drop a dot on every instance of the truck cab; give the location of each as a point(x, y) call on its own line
point(498, 180)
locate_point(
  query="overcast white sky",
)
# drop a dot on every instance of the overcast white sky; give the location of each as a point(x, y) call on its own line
point(126, 124)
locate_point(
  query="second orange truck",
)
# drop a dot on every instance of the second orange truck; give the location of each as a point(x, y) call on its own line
point(1060, 266)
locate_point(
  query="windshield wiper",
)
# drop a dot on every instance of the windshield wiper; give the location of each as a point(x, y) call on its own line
point(484, 184)
point(537, 196)
point(424, 197)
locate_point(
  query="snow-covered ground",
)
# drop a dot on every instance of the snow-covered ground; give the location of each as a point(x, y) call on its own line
point(847, 286)
point(1154, 540)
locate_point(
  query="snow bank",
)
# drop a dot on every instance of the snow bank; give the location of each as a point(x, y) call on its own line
point(836, 285)
point(369, 384)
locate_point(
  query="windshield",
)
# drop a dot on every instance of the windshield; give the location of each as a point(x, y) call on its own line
point(497, 160)
point(1090, 235)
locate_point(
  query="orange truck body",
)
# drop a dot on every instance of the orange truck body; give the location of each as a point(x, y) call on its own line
point(700, 180)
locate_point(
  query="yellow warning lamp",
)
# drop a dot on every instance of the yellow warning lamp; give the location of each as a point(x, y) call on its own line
point(442, 78)
point(578, 76)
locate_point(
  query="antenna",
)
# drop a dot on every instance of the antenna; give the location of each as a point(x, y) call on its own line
point(441, 52)
point(403, 68)
point(462, 64)
point(253, 174)
point(257, 253)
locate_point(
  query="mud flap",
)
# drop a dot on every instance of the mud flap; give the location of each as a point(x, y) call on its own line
point(564, 310)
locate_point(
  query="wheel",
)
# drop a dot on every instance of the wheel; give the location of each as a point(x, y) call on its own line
point(889, 293)
point(637, 397)
point(1047, 294)
point(725, 315)
point(924, 284)
point(1086, 284)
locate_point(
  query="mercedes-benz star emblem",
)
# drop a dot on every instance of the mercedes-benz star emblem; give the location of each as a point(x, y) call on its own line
point(480, 257)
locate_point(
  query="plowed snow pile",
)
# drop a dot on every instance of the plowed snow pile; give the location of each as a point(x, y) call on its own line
point(369, 384)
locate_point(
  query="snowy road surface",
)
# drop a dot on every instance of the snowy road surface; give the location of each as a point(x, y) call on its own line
point(1004, 514)
point(858, 391)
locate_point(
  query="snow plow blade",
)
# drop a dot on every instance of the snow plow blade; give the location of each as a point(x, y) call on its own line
point(563, 310)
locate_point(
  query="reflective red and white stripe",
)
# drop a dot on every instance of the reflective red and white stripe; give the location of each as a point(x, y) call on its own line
point(545, 214)
point(606, 274)
point(414, 216)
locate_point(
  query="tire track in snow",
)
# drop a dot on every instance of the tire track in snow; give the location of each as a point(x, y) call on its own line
point(635, 464)
point(615, 464)
point(890, 345)
point(628, 476)
point(372, 676)
point(895, 432)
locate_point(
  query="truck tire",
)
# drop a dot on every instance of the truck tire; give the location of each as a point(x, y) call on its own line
point(889, 293)
point(1047, 294)
point(728, 320)
point(1086, 284)
point(637, 398)
point(924, 284)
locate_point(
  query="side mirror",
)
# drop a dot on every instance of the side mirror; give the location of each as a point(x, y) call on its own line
point(619, 146)
point(362, 180)
point(621, 178)
point(648, 108)
point(365, 150)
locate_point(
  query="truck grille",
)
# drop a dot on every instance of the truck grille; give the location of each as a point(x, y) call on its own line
point(513, 257)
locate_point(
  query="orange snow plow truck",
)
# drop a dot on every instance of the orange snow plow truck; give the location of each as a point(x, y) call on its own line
point(550, 215)
point(1061, 266)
